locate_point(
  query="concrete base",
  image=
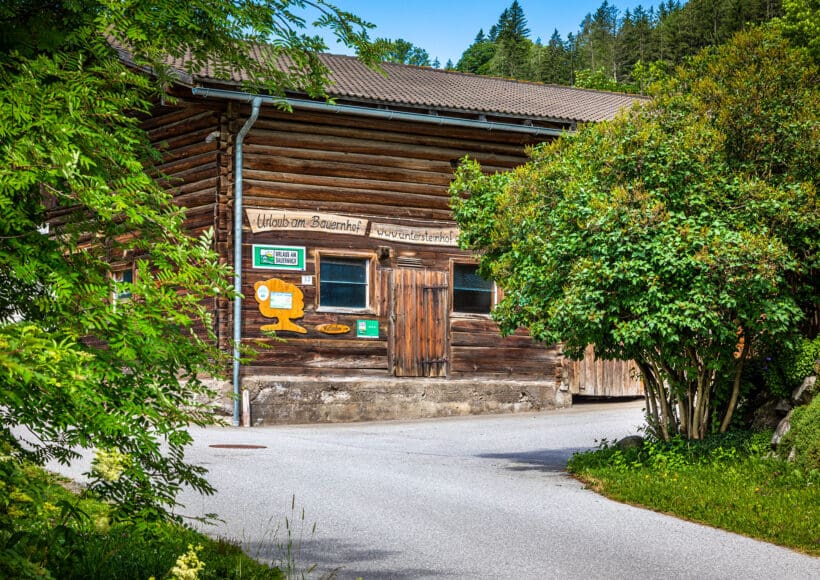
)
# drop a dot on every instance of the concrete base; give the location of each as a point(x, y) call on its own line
point(291, 400)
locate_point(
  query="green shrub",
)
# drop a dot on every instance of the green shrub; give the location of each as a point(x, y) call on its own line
point(676, 453)
point(787, 368)
point(804, 436)
point(48, 532)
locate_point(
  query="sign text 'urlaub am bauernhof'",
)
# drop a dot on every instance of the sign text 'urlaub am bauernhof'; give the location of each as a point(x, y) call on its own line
point(264, 220)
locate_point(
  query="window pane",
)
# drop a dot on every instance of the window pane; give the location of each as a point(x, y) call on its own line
point(465, 277)
point(343, 282)
point(123, 276)
point(471, 292)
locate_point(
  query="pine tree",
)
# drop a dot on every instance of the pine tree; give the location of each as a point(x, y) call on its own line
point(512, 45)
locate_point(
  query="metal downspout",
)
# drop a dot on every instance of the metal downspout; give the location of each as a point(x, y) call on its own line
point(237, 251)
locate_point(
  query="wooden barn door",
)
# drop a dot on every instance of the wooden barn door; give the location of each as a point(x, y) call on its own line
point(420, 328)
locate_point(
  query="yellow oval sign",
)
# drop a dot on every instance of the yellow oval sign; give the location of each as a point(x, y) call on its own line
point(333, 328)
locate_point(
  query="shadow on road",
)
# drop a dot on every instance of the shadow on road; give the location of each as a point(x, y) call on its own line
point(546, 460)
point(327, 555)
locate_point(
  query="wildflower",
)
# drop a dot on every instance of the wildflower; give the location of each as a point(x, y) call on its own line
point(188, 565)
point(109, 464)
point(102, 524)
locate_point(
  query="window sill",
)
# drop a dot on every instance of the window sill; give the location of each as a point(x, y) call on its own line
point(477, 315)
point(340, 310)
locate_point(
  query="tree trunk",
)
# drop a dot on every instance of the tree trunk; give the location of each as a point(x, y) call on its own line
point(730, 409)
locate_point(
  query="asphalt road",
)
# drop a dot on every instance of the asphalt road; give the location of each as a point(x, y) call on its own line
point(467, 497)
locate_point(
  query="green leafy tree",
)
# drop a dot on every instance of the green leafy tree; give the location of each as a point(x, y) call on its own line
point(679, 235)
point(801, 21)
point(478, 55)
point(597, 79)
point(402, 52)
point(86, 359)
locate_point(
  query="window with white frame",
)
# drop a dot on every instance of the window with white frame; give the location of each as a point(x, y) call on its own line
point(344, 282)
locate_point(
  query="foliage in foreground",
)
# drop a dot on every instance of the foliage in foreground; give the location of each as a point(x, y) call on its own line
point(682, 235)
point(81, 365)
point(728, 481)
point(48, 532)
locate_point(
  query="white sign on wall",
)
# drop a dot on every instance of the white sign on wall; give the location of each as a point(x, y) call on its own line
point(415, 235)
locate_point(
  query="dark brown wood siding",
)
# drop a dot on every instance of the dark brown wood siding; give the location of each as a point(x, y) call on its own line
point(384, 171)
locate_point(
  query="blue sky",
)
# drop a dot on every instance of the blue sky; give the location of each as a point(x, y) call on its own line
point(444, 28)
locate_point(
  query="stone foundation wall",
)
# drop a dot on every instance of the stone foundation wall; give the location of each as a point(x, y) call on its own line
point(291, 400)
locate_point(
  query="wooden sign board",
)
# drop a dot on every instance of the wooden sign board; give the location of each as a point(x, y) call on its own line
point(415, 235)
point(333, 328)
point(265, 220)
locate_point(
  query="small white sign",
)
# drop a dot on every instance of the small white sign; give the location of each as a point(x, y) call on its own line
point(428, 236)
point(262, 293)
point(307, 280)
point(283, 300)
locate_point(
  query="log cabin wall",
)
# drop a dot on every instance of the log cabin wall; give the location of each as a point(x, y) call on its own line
point(194, 168)
point(424, 358)
point(385, 172)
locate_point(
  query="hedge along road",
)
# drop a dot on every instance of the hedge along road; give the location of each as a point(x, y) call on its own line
point(466, 497)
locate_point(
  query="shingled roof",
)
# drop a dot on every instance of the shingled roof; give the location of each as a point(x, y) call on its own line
point(450, 91)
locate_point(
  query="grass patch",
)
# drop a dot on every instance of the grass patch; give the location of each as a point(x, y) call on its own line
point(728, 481)
point(51, 532)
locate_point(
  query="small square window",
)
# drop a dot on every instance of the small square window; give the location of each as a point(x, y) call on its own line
point(471, 293)
point(343, 282)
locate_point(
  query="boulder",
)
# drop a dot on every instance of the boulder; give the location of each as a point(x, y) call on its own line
point(767, 416)
point(782, 428)
point(631, 442)
point(803, 394)
point(783, 406)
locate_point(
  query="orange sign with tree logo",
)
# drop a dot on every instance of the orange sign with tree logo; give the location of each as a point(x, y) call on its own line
point(280, 300)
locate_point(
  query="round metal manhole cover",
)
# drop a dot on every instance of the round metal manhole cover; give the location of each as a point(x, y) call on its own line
point(237, 446)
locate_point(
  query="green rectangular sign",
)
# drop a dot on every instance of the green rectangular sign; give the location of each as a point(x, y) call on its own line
point(367, 329)
point(278, 257)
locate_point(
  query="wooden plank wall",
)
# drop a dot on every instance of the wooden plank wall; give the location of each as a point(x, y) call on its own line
point(191, 155)
point(599, 378)
point(192, 166)
point(387, 171)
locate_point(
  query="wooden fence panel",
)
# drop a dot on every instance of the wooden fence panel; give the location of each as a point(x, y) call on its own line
point(600, 378)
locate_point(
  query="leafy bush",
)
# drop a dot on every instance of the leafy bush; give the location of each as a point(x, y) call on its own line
point(676, 453)
point(789, 365)
point(48, 532)
point(804, 436)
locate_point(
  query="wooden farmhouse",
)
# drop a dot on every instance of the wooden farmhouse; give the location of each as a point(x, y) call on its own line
point(348, 249)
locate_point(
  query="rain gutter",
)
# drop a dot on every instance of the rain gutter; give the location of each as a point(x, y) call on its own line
point(385, 114)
